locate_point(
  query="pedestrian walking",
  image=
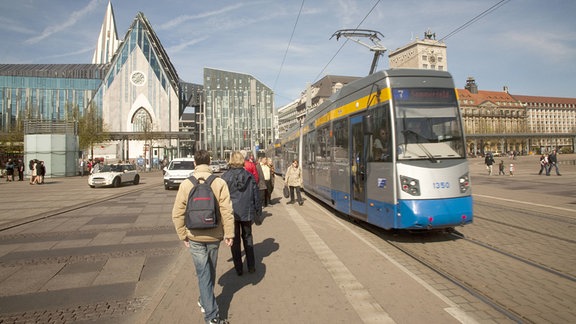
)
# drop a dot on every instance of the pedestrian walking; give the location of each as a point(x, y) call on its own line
point(9, 171)
point(262, 187)
point(32, 167)
point(203, 244)
point(512, 168)
point(20, 170)
point(489, 161)
point(294, 181)
point(250, 165)
point(552, 163)
point(82, 162)
point(543, 164)
point(41, 173)
point(270, 181)
point(247, 210)
point(501, 168)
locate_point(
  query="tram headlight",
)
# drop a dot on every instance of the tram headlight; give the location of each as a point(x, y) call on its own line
point(464, 182)
point(410, 185)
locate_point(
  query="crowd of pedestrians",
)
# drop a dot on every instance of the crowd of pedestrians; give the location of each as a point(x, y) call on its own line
point(547, 163)
point(241, 192)
point(37, 170)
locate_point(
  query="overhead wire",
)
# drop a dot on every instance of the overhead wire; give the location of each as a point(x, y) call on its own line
point(288, 47)
point(468, 23)
point(473, 20)
point(343, 44)
point(452, 33)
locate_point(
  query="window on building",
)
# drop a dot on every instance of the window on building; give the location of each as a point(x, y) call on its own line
point(141, 121)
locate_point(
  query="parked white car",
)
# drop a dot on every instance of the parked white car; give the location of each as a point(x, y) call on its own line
point(177, 171)
point(114, 175)
point(215, 166)
point(223, 165)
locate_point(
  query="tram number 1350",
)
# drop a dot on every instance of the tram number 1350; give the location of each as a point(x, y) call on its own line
point(441, 185)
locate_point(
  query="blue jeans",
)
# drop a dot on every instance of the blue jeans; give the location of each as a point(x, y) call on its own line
point(550, 166)
point(205, 256)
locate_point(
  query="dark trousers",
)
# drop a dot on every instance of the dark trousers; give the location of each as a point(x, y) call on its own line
point(298, 194)
point(269, 189)
point(542, 168)
point(262, 194)
point(243, 230)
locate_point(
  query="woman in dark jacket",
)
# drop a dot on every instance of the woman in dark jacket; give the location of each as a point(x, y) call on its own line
point(247, 209)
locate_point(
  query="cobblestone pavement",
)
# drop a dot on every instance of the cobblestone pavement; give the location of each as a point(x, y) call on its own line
point(119, 261)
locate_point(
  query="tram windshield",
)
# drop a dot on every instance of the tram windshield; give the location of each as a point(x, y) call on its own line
point(429, 129)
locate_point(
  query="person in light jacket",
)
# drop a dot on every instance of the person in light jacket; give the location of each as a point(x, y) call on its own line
point(203, 244)
point(293, 180)
point(247, 210)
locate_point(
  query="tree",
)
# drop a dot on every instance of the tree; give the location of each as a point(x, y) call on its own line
point(91, 130)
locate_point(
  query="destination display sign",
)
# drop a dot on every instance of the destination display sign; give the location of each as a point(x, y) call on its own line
point(424, 94)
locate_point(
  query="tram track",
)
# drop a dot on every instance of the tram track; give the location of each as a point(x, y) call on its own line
point(92, 249)
point(75, 207)
point(567, 240)
point(453, 263)
point(516, 257)
point(498, 269)
point(448, 275)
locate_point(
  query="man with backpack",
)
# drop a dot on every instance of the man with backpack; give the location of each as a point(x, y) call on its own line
point(203, 243)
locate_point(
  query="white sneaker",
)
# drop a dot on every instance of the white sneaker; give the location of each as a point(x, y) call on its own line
point(201, 308)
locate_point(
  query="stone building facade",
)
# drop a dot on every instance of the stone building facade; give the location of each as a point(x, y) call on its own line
point(501, 122)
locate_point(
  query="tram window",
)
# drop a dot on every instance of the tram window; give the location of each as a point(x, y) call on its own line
point(323, 144)
point(430, 130)
point(381, 137)
point(341, 141)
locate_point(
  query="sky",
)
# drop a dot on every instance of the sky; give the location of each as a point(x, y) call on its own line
point(527, 45)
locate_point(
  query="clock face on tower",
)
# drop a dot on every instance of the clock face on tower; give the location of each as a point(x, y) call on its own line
point(138, 78)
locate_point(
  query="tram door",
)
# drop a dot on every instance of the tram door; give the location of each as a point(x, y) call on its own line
point(358, 149)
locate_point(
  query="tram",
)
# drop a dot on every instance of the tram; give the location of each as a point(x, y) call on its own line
point(387, 149)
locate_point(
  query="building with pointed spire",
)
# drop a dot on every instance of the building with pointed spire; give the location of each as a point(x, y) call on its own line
point(140, 93)
point(108, 41)
point(139, 100)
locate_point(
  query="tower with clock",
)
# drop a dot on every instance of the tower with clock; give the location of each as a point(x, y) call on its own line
point(427, 53)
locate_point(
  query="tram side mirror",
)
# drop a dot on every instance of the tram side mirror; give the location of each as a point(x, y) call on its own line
point(367, 125)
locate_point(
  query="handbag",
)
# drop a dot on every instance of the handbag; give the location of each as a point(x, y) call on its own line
point(286, 192)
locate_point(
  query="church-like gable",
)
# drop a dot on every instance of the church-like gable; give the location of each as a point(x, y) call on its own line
point(140, 79)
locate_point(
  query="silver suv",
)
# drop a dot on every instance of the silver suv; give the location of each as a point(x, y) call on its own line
point(114, 175)
point(177, 171)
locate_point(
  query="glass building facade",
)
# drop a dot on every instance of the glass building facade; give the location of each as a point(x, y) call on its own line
point(237, 113)
point(55, 92)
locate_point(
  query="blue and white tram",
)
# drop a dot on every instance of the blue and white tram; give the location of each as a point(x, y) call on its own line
point(389, 149)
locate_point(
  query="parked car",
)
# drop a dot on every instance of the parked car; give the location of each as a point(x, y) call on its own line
point(114, 175)
point(223, 165)
point(215, 165)
point(177, 171)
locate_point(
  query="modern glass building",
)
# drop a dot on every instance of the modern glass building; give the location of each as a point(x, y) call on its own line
point(148, 111)
point(46, 91)
point(238, 113)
